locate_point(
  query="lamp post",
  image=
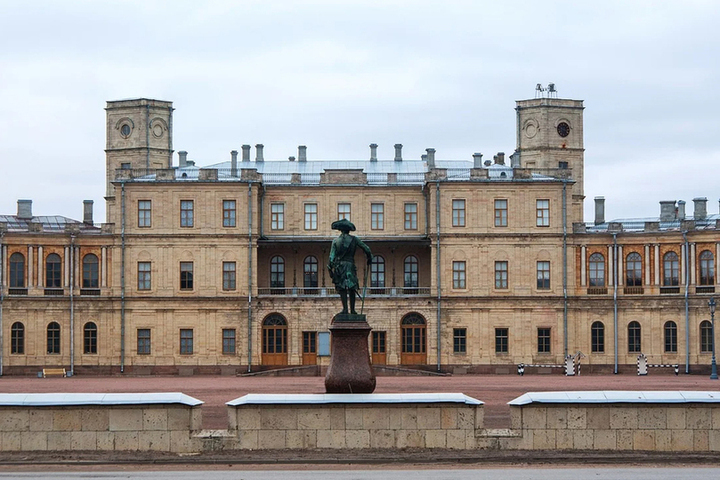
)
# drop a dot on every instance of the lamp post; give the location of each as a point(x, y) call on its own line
point(711, 304)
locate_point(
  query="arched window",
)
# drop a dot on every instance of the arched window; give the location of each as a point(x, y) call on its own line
point(707, 268)
point(597, 270)
point(414, 339)
point(671, 277)
point(597, 337)
point(90, 275)
point(634, 343)
point(90, 338)
point(53, 271)
point(310, 275)
point(633, 270)
point(17, 270)
point(277, 275)
point(411, 274)
point(17, 338)
point(274, 340)
point(377, 272)
point(53, 338)
point(706, 336)
point(670, 337)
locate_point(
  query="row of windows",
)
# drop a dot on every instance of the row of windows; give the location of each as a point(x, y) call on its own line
point(634, 335)
point(633, 269)
point(53, 271)
point(17, 338)
point(310, 211)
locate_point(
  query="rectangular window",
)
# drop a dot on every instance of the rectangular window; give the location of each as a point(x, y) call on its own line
point(542, 209)
point(501, 340)
point(378, 342)
point(344, 211)
point(144, 276)
point(186, 275)
point(501, 274)
point(228, 275)
point(186, 341)
point(277, 216)
point(187, 209)
point(311, 216)
point(377, 216)
point(229, 213)
point(309, 342)
point(144, 213)
point(458, 274)
point(459, 340)
point(458, 213)
point(143, 341)
point(543, 275)
point(228, 339)
point(543, 340)
point(411, 216)
point(501, 213)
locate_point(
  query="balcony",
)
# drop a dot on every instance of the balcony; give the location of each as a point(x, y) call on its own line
point(330, 291)
point(17, 291)
point(597, 290)
point(54, 292)
point(90, 292)
point(669, 290)
point(705, 289)
point(633, 290)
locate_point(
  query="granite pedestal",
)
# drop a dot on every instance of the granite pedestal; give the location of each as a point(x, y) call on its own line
point(350, 370)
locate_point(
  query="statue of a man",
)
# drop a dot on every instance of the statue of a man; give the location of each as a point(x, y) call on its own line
point(342, 263)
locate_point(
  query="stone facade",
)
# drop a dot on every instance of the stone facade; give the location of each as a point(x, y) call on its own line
point(481, 266)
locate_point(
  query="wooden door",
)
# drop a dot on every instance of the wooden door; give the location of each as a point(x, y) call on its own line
point(274, 341)
point(378, 356)
point(414, 340)
point(309, 355)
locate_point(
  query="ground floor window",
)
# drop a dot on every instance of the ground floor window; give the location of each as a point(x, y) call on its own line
point(228, 341)
point(543, 338)
point(186, 341)
point(90, 338)
point(501, 340)
point(53, 338)
point(670, 337)
point(597, 337)
point(17, 338)
point(706, 336)
point(634, 341)
point(143, 341)
point(459, 340)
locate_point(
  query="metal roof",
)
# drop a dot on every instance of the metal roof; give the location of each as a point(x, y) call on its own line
point(54, 223)
point(639, 224)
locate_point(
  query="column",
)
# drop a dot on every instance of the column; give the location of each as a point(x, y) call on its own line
point(657, 264)
point(3, 256)
point(717, 263)
point(691, 264)
point(103, 269)
point(682, 264)
point(67, 267)
point(611, 275)
point(583, 263)
point(31, 259)
point(620, 265)
point(648, 280)
point(76, 268)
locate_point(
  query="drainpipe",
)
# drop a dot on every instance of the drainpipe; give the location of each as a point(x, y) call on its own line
point(437, 255)
point(122, 278)
point(72, 305)
point(615, 299)
point(565, 271)
point(2, 296)
point(249, 369)
point(686, 268)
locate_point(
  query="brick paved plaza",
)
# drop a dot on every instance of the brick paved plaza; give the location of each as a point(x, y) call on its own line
point(494, 390)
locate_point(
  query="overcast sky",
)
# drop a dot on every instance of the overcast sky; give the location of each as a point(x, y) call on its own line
point(339, 75)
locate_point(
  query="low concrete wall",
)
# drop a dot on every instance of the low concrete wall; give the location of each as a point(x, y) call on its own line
point(146, 422)
point(355, 421)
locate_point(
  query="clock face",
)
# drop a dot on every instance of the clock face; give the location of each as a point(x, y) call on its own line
point(563, 129)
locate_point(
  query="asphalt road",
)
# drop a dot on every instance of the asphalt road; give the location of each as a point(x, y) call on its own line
point(511, 473)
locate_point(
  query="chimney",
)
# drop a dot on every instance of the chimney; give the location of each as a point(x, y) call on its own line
point(398, 152)
point(246, 153)
point(500, 158)
point(24, 209)
point(599, 210)
point(233, 163)
point(302, 153)
point(515, 160)
point(430, 157)
point(373, 152)
point(681, 210)
point(88, 212)
point(700, 212)
point(477, 160)
point(259, 152)
point(183, 158)
point(291, 158)
point(423, 157)
point(667, 210)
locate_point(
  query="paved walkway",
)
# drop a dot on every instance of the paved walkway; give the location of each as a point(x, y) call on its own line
point(494, 390)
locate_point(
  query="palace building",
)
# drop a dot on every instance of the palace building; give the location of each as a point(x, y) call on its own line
point(478, 265)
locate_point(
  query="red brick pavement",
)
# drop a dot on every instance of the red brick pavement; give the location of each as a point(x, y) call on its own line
point(494, 390)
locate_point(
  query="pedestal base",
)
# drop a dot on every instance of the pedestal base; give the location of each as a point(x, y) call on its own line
point(350, 370)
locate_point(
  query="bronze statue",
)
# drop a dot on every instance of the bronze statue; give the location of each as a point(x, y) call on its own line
point(342, 263)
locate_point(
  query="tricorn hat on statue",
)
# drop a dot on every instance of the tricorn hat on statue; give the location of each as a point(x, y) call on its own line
point(343, 225)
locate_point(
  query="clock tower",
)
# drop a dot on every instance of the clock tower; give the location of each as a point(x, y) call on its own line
point(550, 137)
